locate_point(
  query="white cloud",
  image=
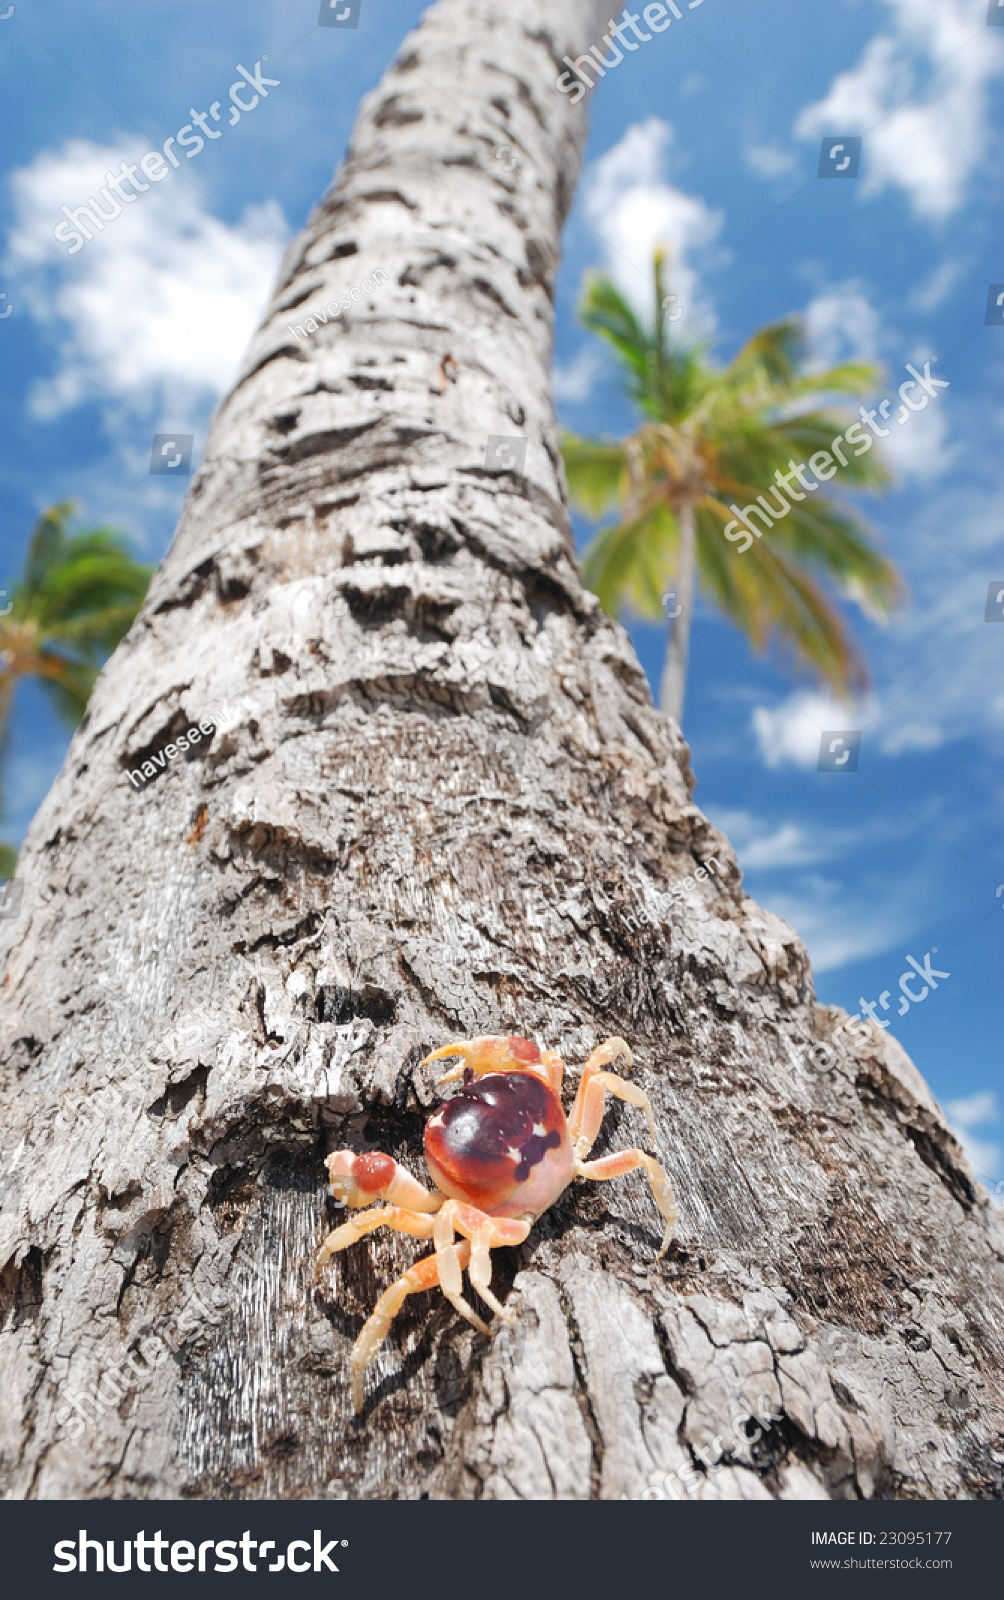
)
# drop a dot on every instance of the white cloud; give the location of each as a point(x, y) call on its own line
point(973, 1110)
point(918, 447)
point(790, 733)
point(630, 205)
point(914, 736)
point(768, 160)
point(573, 383)
point(976, 1111)
point(936, 288)
point(839, 927)
point(158, 307)
point(925, 138)
point(786, 845)
point(841, 326)
point(838, 923)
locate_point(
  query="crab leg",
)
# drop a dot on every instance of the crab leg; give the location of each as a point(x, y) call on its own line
point(413, 1222)
point(486, 1233)
point(586, 1114)
point(423, 1275)
point(448, 1256)
point(499, 1053)
point(623, 1161)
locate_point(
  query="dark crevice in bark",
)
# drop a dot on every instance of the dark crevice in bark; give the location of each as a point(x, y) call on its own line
point(178, 1095)
point(581, 1391)
point(187, 589)
point(21, 1289)
point(934, 1156)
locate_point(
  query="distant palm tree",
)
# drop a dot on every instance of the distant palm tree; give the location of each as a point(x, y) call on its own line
point(8, 858)
point(76, 599)
point(713, 437)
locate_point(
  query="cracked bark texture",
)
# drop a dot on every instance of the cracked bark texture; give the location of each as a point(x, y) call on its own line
point(442, 804)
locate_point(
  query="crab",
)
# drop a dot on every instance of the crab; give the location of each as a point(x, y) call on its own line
point(500, 1152)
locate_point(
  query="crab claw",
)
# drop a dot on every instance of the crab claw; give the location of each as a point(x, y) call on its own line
point(358, 1180)
point(493, 1053)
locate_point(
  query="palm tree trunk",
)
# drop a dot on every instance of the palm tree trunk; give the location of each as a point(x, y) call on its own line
point(7, 687)
point(674, 673)
point(444, 805)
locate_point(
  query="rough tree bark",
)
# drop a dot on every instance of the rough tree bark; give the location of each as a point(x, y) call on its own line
point(444, 804)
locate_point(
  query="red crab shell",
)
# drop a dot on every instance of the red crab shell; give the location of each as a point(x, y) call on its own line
point(501, 1144)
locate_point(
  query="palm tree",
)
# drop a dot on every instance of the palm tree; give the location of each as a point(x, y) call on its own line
point(713, 440)
point(358, 851)
point(75, 601)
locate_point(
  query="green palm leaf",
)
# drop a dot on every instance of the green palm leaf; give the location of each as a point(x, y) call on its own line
point(78, 595)
point(714, 441)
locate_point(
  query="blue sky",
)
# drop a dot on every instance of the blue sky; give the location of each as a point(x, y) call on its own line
point(707, 137)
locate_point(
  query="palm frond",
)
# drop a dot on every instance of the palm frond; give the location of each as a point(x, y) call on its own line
point(722, 440)
point(626, 561)
point(596, 472)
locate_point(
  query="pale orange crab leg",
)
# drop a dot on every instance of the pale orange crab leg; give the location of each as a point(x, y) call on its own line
point(586, 1114)
point(481, 1055)
point(423, 1275)
point(452, 1258)
point(499, 1053)
point(623, 1161)
point(486, 1233)
point(413, 1222)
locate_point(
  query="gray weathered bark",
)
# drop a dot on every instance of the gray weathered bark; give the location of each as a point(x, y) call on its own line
point(443, 804)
